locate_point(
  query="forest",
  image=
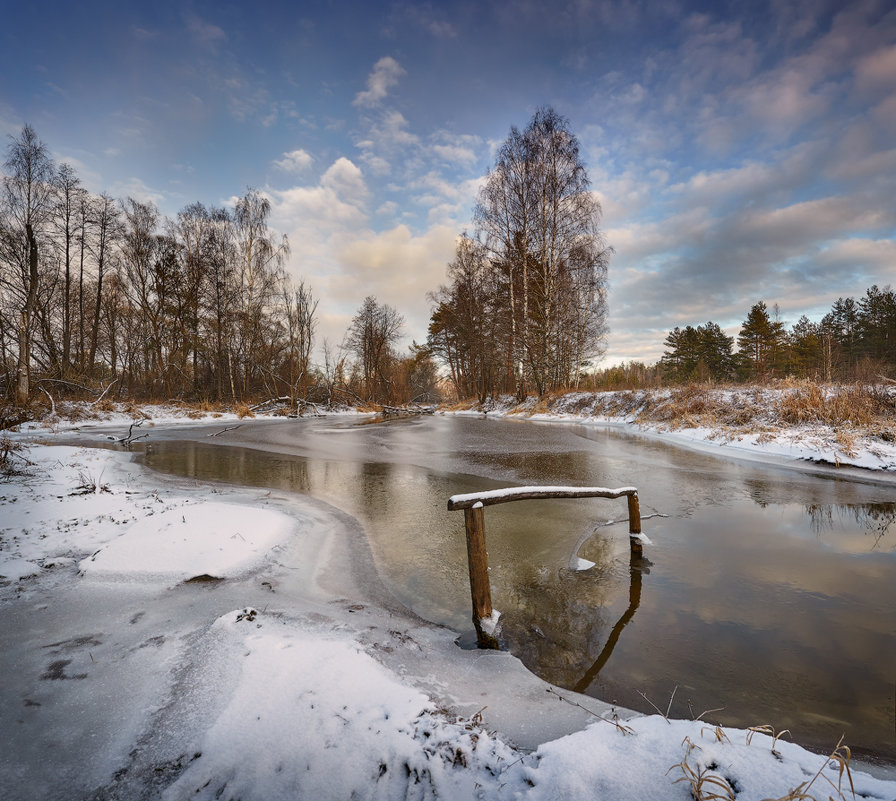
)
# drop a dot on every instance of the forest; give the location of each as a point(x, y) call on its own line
point(101, 297)
point(98, 294)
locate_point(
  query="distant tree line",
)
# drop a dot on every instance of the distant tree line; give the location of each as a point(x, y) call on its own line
point(525, 303)
point(855, 340)
point(100, 293)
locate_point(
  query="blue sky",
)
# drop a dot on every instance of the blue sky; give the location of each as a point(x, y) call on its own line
point(741, 151)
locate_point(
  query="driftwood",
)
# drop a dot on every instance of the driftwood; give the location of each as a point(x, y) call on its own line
point(300, 402)
point(127, 440)
point(407, 411)
point(229, 428)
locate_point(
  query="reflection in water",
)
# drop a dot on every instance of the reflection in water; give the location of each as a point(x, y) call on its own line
point(771, 594)
point(875, 518)
point(638, 565)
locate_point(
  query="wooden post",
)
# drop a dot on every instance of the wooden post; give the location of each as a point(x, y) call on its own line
point(477, 559)
point(634, 525)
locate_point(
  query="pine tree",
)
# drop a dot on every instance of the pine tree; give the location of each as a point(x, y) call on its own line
point(760, 341)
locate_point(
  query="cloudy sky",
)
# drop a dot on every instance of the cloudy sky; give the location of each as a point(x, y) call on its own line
point(740, 150)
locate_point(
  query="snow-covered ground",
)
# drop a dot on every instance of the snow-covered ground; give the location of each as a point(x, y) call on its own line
point(285, 670)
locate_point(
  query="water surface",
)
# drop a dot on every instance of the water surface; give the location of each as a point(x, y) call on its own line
point(769, 592)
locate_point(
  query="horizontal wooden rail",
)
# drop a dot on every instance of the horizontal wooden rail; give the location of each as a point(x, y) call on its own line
point(491, 497)
point(477, 558)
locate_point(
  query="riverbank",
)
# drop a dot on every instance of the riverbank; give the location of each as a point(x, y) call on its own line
point(850, 426)
point(288, 670)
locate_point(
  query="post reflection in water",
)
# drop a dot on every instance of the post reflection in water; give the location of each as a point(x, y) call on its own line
point(638, 566)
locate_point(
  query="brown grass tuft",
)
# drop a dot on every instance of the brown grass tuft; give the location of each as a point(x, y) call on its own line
point(851, 405)
point(243, 410)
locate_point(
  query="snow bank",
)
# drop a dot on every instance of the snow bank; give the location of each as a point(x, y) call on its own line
point(75, 415)
point(762, 436)
point(311, 715)
point(213, 539)
point(315, 717)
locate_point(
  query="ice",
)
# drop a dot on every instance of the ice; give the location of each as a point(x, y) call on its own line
point(490, 623)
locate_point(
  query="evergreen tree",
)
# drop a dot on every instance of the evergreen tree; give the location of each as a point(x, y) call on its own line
point(760, 341)
point(877, 324)
point(806, 354)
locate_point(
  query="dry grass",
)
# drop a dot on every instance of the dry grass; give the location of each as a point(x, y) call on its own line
point(850, 411)
point(851, 405)
point(243, 410)
point(12, 461)
point(840, 756)
point(707, 782)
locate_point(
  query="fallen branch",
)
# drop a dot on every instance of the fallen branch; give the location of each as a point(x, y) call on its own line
point(52, 402)
point(407, 411)
point(223, 430)
point(317, 411)
point(127, 440)
point(271, 402)
point(103, 394)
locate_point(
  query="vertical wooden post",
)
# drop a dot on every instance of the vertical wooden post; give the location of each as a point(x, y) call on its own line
point(634, 525)
point(477, 560)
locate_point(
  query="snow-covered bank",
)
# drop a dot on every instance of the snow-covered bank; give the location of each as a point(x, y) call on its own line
point(293, 678)
point(775, 424)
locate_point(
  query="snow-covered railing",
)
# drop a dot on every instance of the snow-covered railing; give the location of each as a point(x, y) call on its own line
point(473, 504)
point(490, 497)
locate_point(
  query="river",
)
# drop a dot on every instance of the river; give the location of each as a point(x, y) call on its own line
point(766, 596)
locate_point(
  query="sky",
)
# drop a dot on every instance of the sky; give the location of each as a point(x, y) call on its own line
point(740, 151)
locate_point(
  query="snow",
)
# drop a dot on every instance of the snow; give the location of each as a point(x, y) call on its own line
point(292, 679)
point(490, 624)
point(211, 539)
point(511, 493)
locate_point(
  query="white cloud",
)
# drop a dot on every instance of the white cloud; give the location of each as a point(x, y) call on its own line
point(398, 267)
point(294, 161)
point(384, 76)
point(346, 180)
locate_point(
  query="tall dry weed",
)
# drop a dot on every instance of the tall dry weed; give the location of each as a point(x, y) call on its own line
point(852, 405)
point(243, 410)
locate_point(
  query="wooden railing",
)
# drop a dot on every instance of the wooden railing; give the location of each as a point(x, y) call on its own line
point(473, 504)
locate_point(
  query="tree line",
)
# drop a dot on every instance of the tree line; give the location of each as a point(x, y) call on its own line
point(96, 292)
point(855, 340)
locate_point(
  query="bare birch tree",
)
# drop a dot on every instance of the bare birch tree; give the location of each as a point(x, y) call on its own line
point(27, 203)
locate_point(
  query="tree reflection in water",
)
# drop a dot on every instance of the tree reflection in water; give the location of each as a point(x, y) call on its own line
point(875, 518)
